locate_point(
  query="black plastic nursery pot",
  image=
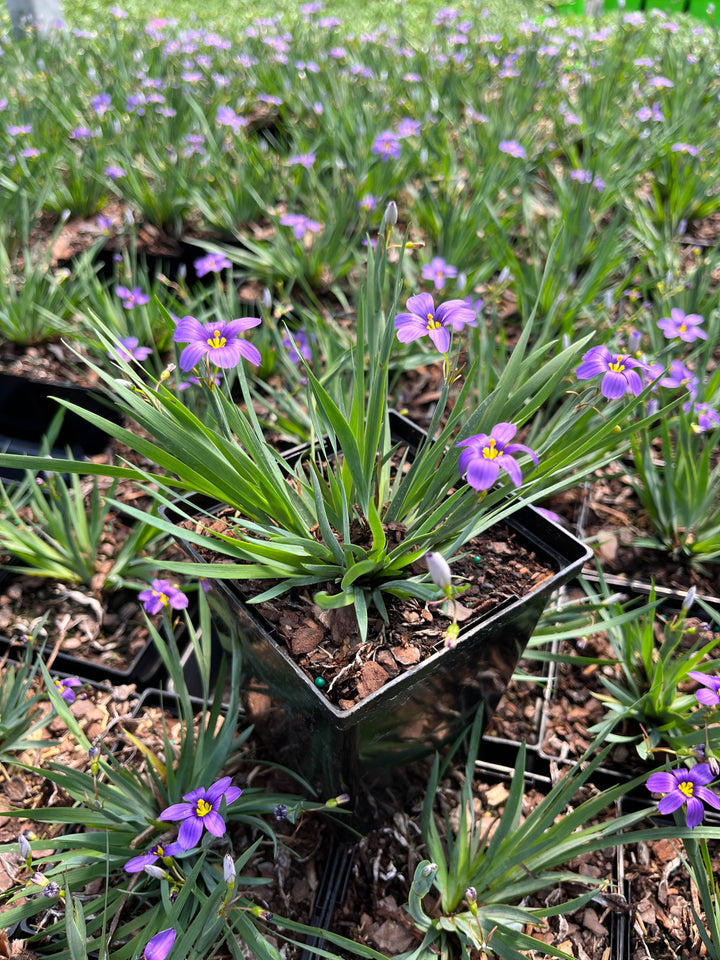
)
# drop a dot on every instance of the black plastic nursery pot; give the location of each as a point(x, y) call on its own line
point(27, 409)
point(413, 714)
point(145, 667)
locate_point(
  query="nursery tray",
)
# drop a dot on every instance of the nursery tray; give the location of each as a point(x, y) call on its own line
point(28, 408)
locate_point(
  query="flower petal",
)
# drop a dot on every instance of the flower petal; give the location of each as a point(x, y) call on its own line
point(421, 305)
point(672, 802)
point(192, 355)
point(188, 330)
point(661, 782)
point(708, 797)
point(178, 811)
point(695, 812)
point(190, 833)
point(214, 824)
point(217, 789)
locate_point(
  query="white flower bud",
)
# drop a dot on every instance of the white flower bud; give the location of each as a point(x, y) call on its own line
point(439, 570)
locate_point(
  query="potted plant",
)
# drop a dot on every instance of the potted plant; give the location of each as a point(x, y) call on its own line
point(345, 527)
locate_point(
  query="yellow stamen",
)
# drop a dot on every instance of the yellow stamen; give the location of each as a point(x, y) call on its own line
point(490, 452)
point(618, 366)
point(216, 341)
point(682, 328)
point(687, 787)
point(432, 323)
point(163, 598)
point(202, 808)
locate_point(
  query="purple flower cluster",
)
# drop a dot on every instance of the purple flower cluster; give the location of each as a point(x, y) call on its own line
point(387, 146)
point(132, 298)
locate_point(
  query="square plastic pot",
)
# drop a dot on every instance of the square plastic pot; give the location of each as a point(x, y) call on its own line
point(27, 409)
point(416, 712)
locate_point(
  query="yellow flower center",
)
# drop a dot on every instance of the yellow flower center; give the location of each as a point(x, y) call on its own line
point(202, 808)
point(59, 685)
point(686, 787)
point(432, 323)
point(682, 328)
point(490, 452)
point(162, 597)
point(217, 341)
point(160, 850)
point(618, 366)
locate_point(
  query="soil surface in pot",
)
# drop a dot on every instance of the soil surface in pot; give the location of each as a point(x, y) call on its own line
point(104, 627)
point(327, 647)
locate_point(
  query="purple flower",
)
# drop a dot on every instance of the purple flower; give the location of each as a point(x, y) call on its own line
point(425, 319)
point(680, 324)
point(513, 148)
point(685, 786)
point(619, 373)
point(367, 202)
point(438, 271)
point(300, 224)
point(680, 376)
point(158, 852)
point(65, 690)
point(101, 103)
point(19, 129)
point(128, 349)
point(407, 128)
point(386, 145)
point(684, 148)
point(483, 456)
point(302, 160)
point(201, 811)
point(132, 298)
point(708, 418)
point(159, 946)
point(300, 348)
point(82, 133)
point(220, 342)
point(212, 263)
point(114, 172)
point(710, 694)
point(162, 594)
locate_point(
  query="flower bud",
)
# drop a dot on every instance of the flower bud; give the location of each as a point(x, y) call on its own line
point(25, 849)
point(280, 811)
point(390, 217)
point(689, 599)
point(634, 341)
point(157, 873)
point(51, 889)
point(439, 570)
point(228, 869)
point(471, 895)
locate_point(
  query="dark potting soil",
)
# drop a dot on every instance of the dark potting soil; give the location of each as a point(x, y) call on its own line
point(326, 645)
point(103, 627)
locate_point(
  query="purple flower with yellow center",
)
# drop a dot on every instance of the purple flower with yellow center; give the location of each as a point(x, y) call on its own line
point(680, 376)
point(424, 319)
point(485, 454)
point(200, 812)
point(619, 373)
point(132, 298)
point(680, 324)
point(299, 348)
point(159, 946)
point(114, 172)
point(220, 342)
point(386, 145)
point(158, 852)
point(708, 418)
point(162, 594)
point(65, 688)
point(438, 271)
point(212, 263)
point(128, 349)
point(710, 694)
point(686, 786)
